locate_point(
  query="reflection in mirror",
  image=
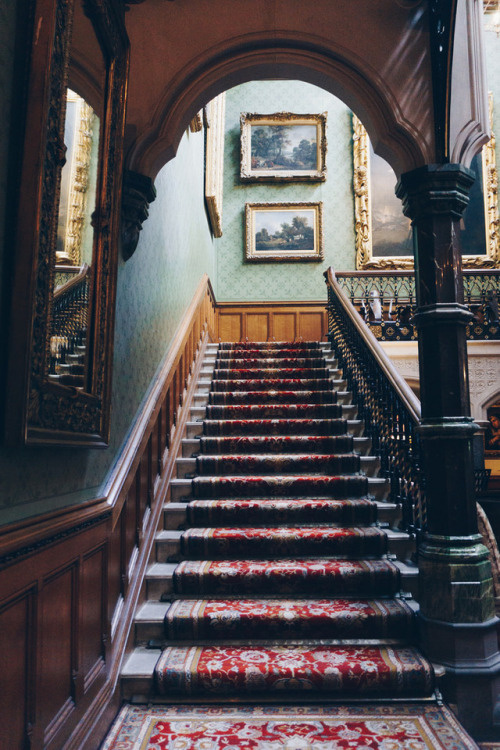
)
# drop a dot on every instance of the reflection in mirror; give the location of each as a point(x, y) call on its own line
point(74, 246)
point(78, 183)
point(66, 236)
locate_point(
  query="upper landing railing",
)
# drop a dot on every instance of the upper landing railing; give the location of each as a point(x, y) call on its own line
point(386, 302)
point(386, 404)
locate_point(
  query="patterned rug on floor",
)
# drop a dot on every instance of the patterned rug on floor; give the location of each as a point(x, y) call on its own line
point(395, 727)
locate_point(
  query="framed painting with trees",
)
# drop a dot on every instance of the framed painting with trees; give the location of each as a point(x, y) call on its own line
point(283, 147)
point(283, 232)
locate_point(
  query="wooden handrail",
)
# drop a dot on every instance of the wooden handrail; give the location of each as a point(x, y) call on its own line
point(399, 384)
point(82, 273)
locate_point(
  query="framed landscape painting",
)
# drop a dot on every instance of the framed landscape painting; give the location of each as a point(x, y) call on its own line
point(492, 435)
point(283, 147)
point(283, 232)
point(384, 238)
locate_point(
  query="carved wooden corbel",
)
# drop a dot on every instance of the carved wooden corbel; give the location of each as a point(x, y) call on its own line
point(138, 192)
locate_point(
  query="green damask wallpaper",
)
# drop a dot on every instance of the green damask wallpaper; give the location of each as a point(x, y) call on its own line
point(240, 281)
point(154, 288)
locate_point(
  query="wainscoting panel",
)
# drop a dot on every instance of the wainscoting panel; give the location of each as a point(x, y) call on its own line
point(17, 690)
point(285, 326)
point(257, 326)
point(230, 326)
point(278, 321)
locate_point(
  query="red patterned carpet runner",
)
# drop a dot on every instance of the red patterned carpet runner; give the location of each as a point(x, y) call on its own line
point(283, 586)
point(397, 727)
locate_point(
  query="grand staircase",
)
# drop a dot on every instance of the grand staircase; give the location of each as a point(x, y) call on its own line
point(279, 572)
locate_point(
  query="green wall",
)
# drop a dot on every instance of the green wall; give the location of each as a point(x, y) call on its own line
point(154, 289)
point(240, 281)
point(156, 285)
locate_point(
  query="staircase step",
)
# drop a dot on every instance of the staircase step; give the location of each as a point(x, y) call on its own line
point(270, 463)
point(329, 383)
point(370, 581)
point(224, 543)
point(311, 577)
point(337, 670)
point(274, 363)
point(290, 577)
point(261, 511)
point(238, 353)
point(267, 464)
point(221, 543)
point(137, 674)
point(266, 619)
point(229, 398)
point(196, 428)
point(270, 345)
point(279, 486)
point(276, 411)
point(275, 443)
point(309, 444)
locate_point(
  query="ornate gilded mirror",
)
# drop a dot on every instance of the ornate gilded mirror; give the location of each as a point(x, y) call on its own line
point(66, 242)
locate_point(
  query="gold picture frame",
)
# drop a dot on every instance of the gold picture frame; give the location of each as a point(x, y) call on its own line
point(284, 231)
point(214, 161)
point(283, 147)
point(367, 257)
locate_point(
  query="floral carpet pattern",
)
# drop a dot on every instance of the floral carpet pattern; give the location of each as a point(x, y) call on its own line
point(287, 577)
point(218, 619)
point(223, 670)
point(283, 584)
point(398, 727)
point(277, 511)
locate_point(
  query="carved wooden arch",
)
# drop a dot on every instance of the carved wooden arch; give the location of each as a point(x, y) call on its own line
point(298, 58)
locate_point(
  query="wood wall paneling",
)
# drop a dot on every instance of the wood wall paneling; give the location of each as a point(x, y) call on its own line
point(59, 654)
point(259, 321)
point(311, 326)
point(231, 326)
point(94, 630)
point(257, 326)
point(285, 326)
point(17, 669)
point(115, 579)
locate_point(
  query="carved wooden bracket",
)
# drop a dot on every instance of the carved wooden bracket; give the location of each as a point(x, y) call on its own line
point(138, 192)
point(442, 14)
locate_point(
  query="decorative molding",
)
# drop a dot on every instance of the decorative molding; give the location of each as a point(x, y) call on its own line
point(214, 169)
point(35, 547)
point(137, 193)
point(38, 411)
point(490, 180)
point(362, 207)
point(196, 124)
point(78, 180)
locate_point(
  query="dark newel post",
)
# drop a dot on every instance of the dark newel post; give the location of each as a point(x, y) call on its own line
point(457, 617)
